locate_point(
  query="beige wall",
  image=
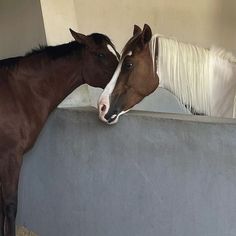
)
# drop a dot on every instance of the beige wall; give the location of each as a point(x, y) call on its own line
point(58, 17)
point(204, 22)
point(21, 26)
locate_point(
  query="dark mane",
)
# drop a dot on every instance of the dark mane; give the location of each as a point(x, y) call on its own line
point(58, 51)
point(67, 48)
point(55, 52)
point(100, 38)
point(9, 62)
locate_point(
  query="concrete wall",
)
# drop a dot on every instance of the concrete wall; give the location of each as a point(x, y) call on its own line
point(21, 25)
point(151, 174)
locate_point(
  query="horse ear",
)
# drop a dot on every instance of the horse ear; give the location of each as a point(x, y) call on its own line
point(146, 34)
point(137, 30)
point(80, 38)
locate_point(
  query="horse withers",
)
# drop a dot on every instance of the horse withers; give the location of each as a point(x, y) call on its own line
point(204, 80)
point(30, 88)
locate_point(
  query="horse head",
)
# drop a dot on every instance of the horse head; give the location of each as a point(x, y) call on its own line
point(100, 58)
point(133, 79)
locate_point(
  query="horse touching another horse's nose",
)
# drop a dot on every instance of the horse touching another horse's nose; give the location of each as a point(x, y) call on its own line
point(133, 79)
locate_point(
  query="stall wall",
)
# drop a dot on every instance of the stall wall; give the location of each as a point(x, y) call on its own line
point(148, 175)
point(204, 22)
point(21, 25)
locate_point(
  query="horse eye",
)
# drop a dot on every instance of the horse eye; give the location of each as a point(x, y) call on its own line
point(128, 65)
point(100, 55)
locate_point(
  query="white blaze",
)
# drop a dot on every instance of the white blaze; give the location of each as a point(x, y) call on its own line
point(104, 100)
point(111, 49)
point(130, 53)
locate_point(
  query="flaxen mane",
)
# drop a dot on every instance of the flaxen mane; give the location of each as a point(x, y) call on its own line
point(203, 79)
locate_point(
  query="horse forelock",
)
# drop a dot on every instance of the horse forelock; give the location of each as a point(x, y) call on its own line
point(131, 45)
point(100, 39)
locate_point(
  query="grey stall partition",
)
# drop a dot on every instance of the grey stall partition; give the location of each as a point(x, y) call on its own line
point(149, 175)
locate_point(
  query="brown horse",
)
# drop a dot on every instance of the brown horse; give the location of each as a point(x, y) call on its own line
point(30, 88)
point(203, 79)
point(128, 86)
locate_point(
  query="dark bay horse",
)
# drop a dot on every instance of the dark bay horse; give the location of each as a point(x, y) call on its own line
point(203, 79)
point(30, 88)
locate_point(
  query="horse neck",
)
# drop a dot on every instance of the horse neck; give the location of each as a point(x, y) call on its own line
point(182, 69)
point(42, 83)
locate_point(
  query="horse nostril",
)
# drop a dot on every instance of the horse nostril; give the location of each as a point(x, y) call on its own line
point(111, 116)
point(103, 108)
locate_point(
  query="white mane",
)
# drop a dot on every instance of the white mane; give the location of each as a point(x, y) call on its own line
point(202, 79)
